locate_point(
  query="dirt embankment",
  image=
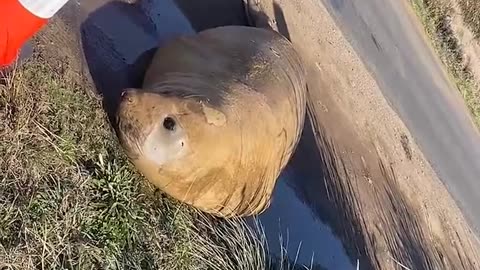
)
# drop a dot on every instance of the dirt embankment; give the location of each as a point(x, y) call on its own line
point(453, 27)
point(383, 197)
point(465, 24)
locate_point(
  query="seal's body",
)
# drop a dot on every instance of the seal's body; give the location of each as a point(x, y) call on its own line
point(217, 119)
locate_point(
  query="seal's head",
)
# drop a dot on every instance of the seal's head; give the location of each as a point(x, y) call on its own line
point(217, 118)
point(150, 125)
point(159, 127)
point(174, 141)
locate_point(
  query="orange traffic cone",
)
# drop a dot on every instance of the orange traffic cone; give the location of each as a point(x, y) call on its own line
point(19, 21)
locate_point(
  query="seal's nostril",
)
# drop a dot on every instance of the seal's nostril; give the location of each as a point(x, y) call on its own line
point(169, 123)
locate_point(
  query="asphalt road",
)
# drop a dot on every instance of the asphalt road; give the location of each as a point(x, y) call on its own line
point(410, 76)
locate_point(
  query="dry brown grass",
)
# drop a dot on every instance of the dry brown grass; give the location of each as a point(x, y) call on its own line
point(435, 17)
point(471, 14)
point(68, 197)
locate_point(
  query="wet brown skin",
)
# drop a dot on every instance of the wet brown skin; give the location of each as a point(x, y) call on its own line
point(236, 95)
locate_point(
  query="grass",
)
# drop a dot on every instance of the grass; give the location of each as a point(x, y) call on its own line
point(470, 10)
point(435, 15)
point(69, 199)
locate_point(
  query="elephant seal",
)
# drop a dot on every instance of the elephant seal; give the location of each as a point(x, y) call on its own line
point(217, 118)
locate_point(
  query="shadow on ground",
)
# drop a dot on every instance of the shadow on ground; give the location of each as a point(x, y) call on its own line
point(118, 41)
point(212, 13)
point(323, 180)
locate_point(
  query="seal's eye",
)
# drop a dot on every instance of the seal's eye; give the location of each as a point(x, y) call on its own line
point(169, 123)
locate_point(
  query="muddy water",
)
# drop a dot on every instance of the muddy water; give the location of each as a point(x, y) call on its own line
point(116, 39)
